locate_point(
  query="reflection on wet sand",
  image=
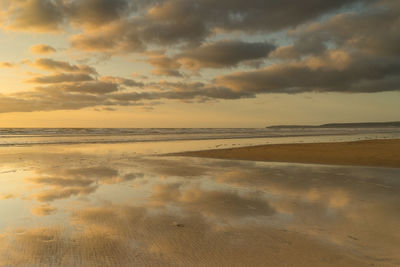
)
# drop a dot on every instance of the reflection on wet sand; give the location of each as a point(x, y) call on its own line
point(91, 209)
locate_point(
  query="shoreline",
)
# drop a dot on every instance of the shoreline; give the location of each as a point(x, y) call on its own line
point(371, 153)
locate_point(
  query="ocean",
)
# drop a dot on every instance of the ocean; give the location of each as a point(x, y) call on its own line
point(46, 136)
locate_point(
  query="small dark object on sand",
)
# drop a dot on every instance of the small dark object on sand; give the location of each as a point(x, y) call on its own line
point(179, 224)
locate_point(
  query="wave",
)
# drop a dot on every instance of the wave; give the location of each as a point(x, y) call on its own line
point(41, 136)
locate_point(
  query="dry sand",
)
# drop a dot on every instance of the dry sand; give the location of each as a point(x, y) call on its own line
point(377, 153)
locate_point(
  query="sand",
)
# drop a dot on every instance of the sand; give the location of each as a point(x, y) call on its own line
point(107, 205)
point(374, 153)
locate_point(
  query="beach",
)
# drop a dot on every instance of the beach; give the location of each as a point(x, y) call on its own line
point(374, 153)
point(203, 133)
point(127, 204)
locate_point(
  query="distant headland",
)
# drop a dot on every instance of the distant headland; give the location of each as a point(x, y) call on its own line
point(342, 125)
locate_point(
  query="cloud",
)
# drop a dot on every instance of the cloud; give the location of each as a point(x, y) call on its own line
point(63, 181)
point(166, 72)
point(48, 99)
point(94, 13)
point(7, 196)
point(183, 91)
point(122, 81)
point(224, 54)
point(60, 78)
point(91, 87)
point(54, 15)
point(261, 15)
point(361, 31)
point(63, 96)
point(194, 20)
point(172, 22)
point(335, 71)
point(108, 92)
point(42, 49)
point(6, 65)
point(118, 37)
point(167, 20)
point(164, 65)
point(351, 31)
point(348, 50)
point(56, 65)
point(346, 53)
point(35, 15)
point(221, 54)
point(73, 96)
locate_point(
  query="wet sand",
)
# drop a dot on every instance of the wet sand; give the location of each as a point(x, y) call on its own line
point(374, 153)
point(111, 206)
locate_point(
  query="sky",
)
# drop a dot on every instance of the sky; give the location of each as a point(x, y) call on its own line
point(198, 63)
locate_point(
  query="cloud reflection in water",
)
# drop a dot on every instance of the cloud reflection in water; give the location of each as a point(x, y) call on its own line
point(185, 211)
